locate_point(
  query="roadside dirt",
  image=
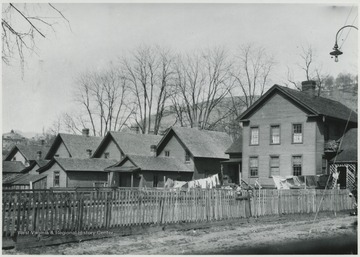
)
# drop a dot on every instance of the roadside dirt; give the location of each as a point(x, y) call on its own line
point(299, 234)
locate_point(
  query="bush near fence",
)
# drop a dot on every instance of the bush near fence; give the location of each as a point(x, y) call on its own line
point(47, 211)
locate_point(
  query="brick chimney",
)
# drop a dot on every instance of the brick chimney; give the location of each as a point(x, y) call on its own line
point(85, 132)
point(38, 155)
point(309, 87)
point(89, 152)
point(153, 150)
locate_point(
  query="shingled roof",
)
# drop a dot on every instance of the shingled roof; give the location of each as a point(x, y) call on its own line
point(28, 151)
point(27, 178)
point(78, 164)
point(152, 163)
point(314, 105)
point(130, 143)
point(236, 146)
point(348, 148)
point(40, 164)
point(75, 144)
point(12, 166)
point(201, 143)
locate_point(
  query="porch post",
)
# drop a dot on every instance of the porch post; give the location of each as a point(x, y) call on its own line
point(239, 174)
point(132, 179)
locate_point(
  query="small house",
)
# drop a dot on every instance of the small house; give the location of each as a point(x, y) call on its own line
point(27, 153)
point(74, 172)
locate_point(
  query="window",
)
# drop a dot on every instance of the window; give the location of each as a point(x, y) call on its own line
point(275, 134)
point(14, 158)
point(56, 155)
point(254, 136)
point(155, 181)
point(297, 134)
point(187, 156)
point(56, 178)
point(167, 153)
point(274, 166)
point(324, 165)
point(106, 155)
point(254, 167)
point(296, 165)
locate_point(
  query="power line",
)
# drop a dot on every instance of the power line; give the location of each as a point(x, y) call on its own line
point(348, 31)
point(346, 19)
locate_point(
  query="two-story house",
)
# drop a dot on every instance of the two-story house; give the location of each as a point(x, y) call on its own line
point(285, 133)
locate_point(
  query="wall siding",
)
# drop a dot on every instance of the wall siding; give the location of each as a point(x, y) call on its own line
point(112, 149)
point(85, 179)
point(19, 157)
point(279, 111)
point(50, 177)
point(62, 151)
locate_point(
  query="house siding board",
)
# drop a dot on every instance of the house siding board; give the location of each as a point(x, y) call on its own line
point(33, 171)
point(279, 110)
point(112, 149)
point(19, 157)
point(50, 176)
point(85, 179)
point(62, 151)
point(177, 150)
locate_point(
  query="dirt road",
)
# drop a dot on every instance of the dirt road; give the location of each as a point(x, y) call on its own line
point(287, 234)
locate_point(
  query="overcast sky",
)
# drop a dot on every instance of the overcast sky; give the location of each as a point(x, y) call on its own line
point(102, 32)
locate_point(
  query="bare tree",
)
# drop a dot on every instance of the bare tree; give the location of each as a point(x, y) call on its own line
point(148, 73)
point(202, 81)
point(102, 98)
point(22, 25)
point(251, 72)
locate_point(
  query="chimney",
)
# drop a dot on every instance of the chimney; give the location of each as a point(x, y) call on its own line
point(85, 132)
point(309, 87)
point(38, 155)
point(153, 150)
point(89, 152)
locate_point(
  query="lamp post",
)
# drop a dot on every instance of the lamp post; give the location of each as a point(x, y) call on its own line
point(336, 51)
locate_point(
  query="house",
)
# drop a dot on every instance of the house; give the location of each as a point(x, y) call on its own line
point(27, 153)
point(11, 170)
point(73, 146)
point(12, 138)
point(345, 162)
point(150, 171)
point(232, 167)
point(116, 145)
point(181, 154)
point(285, 133)
point(74, 172)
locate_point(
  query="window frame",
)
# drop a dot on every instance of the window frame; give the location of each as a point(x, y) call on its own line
point(271, 127)
point(292, 132)
point(155, 180)
point(56, 175)
point(271, 157)
point(257, 158)
point(167, 153)
point(250, 142)
point(292, 164)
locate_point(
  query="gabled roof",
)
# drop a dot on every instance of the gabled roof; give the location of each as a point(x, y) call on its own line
point(79, 164)
point(28, 151)
point(348, 148)
point(27, 178)
point(11, 177)
point(75, 144)
point(152, 163)
point(313, 105)
point(236, 146)
point(39, 163)
point(200, 143)
point(129, 143)
point(12, 166)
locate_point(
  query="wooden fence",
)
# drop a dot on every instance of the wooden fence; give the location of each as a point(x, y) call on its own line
point(44, 211)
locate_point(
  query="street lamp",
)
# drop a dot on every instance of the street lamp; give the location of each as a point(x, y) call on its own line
point(336, 51)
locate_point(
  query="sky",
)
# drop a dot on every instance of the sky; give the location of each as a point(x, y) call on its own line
point(100, 33)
